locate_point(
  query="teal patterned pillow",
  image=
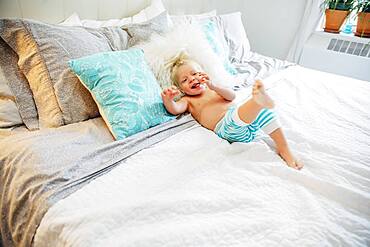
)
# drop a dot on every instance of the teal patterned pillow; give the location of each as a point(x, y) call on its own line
point(210, 30)
point(125, 90)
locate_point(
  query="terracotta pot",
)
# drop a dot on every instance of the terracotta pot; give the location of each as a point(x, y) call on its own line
point(363, 25)
point(334, 20)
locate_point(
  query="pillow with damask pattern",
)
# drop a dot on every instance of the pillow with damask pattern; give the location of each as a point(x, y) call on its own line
point(125, 90)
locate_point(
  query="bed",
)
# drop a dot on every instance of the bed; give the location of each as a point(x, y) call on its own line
point(178, 184)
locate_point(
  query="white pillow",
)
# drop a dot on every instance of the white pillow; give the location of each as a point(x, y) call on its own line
point(182, 19)
point(144, 15)
point(235, 36)
point(156, 7)
point(9, 114)
point(189, 37)
point(231, 33)
point(73, 20)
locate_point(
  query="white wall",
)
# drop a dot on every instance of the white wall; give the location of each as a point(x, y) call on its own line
point(270, 24)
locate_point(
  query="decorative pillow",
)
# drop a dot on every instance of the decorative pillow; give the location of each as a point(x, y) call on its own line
point(214, 33)
point(227, 33)
point(16, 92)
point(44, 51)
point(141, 32)
point(125, 90)
point(161, 50)
point(154, 9)
point(215, 39)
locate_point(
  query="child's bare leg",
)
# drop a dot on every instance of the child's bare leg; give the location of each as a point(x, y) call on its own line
point(250, 109)
point(283, 149)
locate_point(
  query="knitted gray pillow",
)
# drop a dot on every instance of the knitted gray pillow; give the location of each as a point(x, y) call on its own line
point(44, 51)
point(141, 32)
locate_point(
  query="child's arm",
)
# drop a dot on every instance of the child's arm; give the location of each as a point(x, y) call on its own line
point(175, 108)
point(225, 92)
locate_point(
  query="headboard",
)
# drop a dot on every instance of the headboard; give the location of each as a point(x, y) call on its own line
point(54, 11)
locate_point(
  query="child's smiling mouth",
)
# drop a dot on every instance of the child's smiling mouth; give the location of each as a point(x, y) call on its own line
point(195, 85)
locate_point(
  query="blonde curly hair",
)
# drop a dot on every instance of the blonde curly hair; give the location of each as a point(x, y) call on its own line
point(182, 58)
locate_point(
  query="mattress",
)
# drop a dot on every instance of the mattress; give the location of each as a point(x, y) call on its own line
point(195, 189)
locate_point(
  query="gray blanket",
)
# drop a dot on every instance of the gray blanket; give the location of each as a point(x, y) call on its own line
point(39, 168)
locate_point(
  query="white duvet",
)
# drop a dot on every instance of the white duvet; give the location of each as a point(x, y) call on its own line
point(195, 189)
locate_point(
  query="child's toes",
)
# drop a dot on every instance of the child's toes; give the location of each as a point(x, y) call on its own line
point(260, 85)
point(299, 165)
point(296, 165)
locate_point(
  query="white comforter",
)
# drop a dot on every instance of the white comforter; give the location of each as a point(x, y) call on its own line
point(195, 189)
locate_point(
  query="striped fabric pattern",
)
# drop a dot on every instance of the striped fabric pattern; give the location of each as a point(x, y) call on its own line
point(231, 131)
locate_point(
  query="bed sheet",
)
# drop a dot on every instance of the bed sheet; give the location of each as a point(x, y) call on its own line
point(254, 66)
point(33, 165)
point(5, 132)
point(39, 168)
point(195, 189)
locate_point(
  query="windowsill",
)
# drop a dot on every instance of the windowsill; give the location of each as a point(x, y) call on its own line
point(342, 35)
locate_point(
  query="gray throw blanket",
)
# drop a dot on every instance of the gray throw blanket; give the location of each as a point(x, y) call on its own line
point(38, 169)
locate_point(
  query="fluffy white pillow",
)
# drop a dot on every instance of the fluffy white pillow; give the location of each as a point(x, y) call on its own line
point(231, 32)
point(161, 50)
point(154, 9)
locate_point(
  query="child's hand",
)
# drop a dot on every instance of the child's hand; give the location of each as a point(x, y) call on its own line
point(169, 94)
point(204, 78)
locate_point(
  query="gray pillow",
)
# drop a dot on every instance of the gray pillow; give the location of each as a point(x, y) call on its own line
point(141, 32)
point(18, 92)
point(43, 51)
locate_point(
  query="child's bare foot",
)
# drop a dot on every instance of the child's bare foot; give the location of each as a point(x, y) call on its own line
point(289, 159)
point(260, 95)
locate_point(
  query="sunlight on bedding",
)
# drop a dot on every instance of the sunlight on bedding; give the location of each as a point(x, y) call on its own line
point(181, 192)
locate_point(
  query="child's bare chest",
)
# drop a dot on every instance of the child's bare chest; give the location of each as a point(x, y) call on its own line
point(208, 99)
point(208, 110)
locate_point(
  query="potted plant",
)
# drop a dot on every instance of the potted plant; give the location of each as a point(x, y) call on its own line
point(363, 18)
point(335, 14)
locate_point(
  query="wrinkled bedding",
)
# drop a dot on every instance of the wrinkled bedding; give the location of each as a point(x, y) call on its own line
point(254, 66)
point(194, 189)
point(40, 173)
point(5, 132)
point(39, 168)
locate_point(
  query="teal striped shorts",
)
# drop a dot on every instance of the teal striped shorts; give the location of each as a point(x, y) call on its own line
point(233, 129)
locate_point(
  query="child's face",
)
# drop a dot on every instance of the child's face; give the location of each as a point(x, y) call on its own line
point(188, 80)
